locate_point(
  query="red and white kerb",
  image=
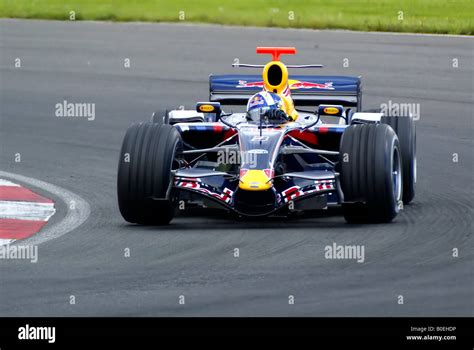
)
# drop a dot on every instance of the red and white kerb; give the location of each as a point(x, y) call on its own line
point(22, 212)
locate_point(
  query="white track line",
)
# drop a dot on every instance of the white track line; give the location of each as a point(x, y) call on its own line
point(311, 30)
point(6, 241)
point(4, 182)
point(237, 27)
point(73, 219)
point(26, 210)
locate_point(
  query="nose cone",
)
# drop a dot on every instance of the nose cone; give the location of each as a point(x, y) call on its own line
point(255, 180)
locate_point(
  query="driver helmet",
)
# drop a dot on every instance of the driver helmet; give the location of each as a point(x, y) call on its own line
point(261, 102)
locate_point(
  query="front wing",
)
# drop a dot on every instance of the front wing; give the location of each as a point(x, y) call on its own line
point(221, 190)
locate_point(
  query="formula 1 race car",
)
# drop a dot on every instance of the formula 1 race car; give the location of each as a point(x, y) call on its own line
point(362, 161)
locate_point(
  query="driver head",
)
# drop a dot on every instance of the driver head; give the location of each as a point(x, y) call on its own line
point(261, 102)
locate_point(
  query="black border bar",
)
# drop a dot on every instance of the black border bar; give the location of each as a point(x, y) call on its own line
point(357, 331)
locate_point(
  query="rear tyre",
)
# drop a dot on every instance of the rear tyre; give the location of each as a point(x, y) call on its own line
point(371, 179)
point(405, 129)
point(144, 173)
point(160, 117)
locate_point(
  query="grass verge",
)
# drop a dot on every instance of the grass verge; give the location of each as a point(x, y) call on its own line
point(418, 16)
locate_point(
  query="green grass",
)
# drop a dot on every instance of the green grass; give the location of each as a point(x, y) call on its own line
point(420, 16)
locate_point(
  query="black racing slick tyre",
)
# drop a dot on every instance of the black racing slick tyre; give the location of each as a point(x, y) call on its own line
point(160, 117)
point(405, 129)
point(144, 178)
point(370, 173)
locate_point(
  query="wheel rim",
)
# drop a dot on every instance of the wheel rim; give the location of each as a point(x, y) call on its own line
point(175, 160)
point(396, 175)
point(414, 160)
point(414, 169)
point(174, 164)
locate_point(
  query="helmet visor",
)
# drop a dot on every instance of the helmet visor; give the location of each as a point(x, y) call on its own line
point(256, 113)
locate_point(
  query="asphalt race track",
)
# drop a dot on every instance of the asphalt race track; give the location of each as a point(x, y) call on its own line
point(193, 257)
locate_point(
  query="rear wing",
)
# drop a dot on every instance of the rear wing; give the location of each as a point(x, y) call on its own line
point(306, 90)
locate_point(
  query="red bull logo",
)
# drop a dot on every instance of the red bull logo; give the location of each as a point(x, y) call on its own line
point(294, 84)
point(255, 101)
point(246, 84)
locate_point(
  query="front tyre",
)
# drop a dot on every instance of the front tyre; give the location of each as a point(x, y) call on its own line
point(371, 173)
point(144, 178)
